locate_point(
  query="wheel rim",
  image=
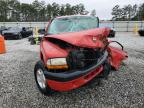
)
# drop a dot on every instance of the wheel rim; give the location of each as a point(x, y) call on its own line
point(41, 79)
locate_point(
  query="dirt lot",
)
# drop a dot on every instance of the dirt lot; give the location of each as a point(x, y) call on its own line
point(123, 88)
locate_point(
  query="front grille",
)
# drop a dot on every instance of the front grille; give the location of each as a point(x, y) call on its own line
point(83, 57)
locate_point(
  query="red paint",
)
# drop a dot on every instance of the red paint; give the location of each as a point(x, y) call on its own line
point(81, 39)
point(67, 86)
point(116, 56)
point(50, 50)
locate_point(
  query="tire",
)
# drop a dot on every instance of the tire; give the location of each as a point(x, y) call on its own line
point(32, 42)
point(19, 36)
point(141, 32)
point(106, 70)
point(112, 34)
point(45, 89)
point(29, 39)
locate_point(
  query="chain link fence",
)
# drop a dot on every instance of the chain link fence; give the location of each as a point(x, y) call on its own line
point(123, 26)
point(119, 26)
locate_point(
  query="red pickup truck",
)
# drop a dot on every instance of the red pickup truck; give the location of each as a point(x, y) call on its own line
point(73, 52)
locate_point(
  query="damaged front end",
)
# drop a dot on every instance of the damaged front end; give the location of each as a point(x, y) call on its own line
point(73, 59)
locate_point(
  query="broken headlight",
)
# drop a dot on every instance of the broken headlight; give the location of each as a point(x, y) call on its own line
point(57, 63)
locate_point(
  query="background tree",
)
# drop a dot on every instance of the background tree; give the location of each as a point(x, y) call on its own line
point(55, 9)
point(49, 11)
point(4, 10)
point(27, 12)
point(68, 9)
point(62, 10)
point(93, 12)
point(140, 12)
point(128, 12)
point(13, 10)
point(117, 13)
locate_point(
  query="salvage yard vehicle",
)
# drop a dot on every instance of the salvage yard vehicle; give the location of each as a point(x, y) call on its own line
point(2, 28)
point(112, 33)
point(141, 32)
point(16, 32)
point(73, 52)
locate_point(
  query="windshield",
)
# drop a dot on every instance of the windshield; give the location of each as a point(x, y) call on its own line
point(72, 24)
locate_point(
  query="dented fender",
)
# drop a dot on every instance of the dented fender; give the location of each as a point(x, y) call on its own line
point(116, 56)
point(50, 50)
point(93, 38)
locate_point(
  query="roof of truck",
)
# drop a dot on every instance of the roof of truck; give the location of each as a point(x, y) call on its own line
point(69, 16)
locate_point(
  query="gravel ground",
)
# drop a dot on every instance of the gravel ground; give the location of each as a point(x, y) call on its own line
point(122, 89)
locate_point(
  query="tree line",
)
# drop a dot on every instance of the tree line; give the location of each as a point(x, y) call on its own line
point(13, 10)
point(128, 13)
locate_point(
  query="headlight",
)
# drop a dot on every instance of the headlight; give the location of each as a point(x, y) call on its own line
point(57, 63)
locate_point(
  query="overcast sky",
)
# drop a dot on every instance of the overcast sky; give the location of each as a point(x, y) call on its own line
point(103, 7)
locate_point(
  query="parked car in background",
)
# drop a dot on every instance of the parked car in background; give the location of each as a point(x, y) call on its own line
point(17, 33)
point(141, 32)
point(41, 31)
point(110, 26)
point(2, 28)
point(112, 33)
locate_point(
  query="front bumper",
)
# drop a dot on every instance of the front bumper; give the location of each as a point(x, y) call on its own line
point(66, 81)
point(71, 75)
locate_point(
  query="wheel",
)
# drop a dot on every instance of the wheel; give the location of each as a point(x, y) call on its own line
point(106, 70)
point(32, 42)
point(141, 32)
point(29, 38)
point(19, 36)
point(40, 79)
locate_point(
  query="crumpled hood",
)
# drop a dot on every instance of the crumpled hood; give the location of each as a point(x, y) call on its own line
point(87, 38)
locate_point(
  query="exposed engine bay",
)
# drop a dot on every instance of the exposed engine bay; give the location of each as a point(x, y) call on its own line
point(83, 57)
point(78, 57)
point(72, 59)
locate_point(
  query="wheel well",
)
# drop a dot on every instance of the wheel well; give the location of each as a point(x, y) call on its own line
point(41, 56)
